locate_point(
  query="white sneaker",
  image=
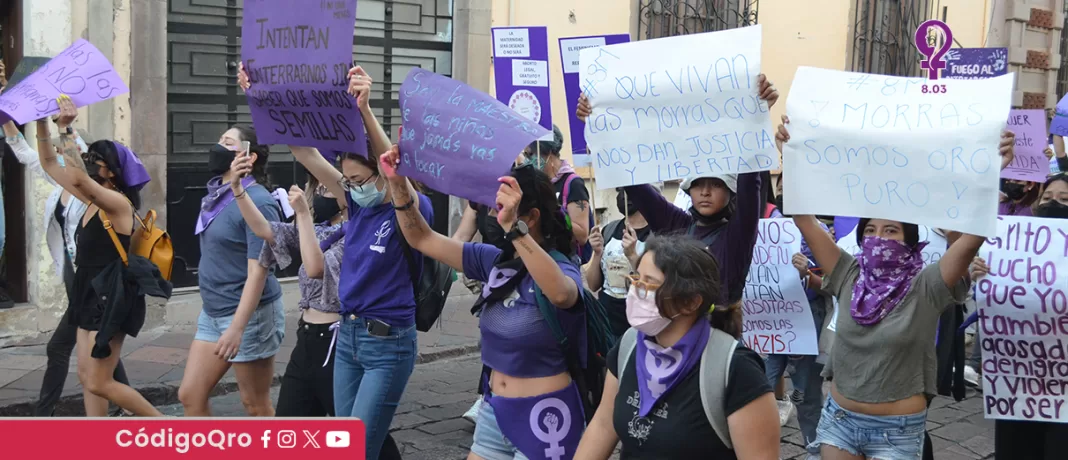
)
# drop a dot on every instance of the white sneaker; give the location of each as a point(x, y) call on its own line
point(971, 377)
point(472, 414)
point(786, 409)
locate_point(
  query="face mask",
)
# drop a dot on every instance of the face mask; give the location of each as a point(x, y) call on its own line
point(1053, 210)
point(643, 315)
point(1012, 190)
point(625, 205)
point(324, 208)
point(367, 195)
point(219, 159)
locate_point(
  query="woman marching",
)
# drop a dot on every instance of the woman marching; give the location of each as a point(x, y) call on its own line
point(316, 235)
point(651, 408)
point(242, 323)
point(528, 377)
point(883, 365)
point(109, 177)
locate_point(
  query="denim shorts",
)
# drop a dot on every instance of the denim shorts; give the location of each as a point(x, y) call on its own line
point(263, 333)
point(887, 437)
point(489, 443)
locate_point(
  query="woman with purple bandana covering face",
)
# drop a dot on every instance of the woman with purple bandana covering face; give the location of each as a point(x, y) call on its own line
point(883, 366)
point(109, 177)
point(654, 405)
point(532, 408)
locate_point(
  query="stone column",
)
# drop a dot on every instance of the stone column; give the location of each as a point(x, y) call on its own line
point(148, 98)
point(471, 60)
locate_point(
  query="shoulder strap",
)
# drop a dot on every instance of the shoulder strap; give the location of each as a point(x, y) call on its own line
point(114, 236)
point(548, 310)
point(627, 344)
point(567, 190)
point(715, 373)
point(610, 229)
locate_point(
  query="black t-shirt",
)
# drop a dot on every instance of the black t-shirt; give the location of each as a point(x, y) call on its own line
point(677, 427)
point(576, 194)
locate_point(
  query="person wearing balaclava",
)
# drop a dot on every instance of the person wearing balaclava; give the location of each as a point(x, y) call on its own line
point(616, 249)
point(724, 213)
point(1033, 440)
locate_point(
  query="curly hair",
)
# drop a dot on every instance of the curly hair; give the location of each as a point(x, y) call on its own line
point(538, 192)
point(690, 274)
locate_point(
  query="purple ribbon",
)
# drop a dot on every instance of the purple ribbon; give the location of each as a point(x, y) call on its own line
point(329, 351)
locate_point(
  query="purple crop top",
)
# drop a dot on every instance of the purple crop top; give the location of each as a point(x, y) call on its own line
point(515, 338)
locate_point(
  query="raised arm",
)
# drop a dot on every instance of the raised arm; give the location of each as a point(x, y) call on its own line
point(239, 168)
point(468, 225)
point(824, 249)
point(413, 226)
point(662, 216)
point(360, 88)
point(310, 251)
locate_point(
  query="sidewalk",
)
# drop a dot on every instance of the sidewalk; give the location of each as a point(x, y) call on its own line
point(155, 360)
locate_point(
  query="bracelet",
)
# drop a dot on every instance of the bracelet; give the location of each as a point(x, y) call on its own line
point(405, 207)
point(243, 193)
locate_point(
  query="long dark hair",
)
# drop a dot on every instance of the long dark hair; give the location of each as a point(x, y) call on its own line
point(538, 192)
point(259, 168)
point(105, 151)
point(691, 273)
point(912, 232)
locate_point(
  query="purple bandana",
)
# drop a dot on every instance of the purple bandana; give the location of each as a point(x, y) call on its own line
point(546, 427)
point(660, 369)
point(219, 195)
point(887, 268)
point(134, 173)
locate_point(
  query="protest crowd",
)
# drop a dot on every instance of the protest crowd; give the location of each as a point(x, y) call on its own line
point(666, 334)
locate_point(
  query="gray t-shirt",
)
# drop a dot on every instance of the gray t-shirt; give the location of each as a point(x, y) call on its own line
point(894, 359)
point(225, 249)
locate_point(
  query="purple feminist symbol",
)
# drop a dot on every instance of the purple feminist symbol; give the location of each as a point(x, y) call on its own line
point(556, 428)
point(935, 56)
point(661, 364)
point(497, 278)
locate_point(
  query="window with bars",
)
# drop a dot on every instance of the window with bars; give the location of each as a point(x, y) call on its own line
point(884, 33)
point(668, 18)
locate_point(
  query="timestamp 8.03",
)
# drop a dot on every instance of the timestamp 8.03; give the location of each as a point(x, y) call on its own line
point(933, 89)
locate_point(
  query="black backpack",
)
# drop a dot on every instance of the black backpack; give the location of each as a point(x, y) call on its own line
point(431, 289)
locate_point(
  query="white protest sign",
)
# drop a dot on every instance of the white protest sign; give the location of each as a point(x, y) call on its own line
point(936, 244)
point(888, 147)
point(662, 111)
point(1023, 318)
point(776, 317)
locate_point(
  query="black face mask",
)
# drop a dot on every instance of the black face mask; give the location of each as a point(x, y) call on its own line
point(324, 208)
point(1053, 210)
point(1012, 190)
point(625, 205)
point(219, 159)
point(491, 231)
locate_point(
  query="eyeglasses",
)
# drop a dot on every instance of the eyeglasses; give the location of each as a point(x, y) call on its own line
point(349, 185)
point(642, 288)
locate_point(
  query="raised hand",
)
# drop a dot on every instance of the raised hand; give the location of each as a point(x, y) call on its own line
point(67, 113)
point(240, 167)
point(782, 136)
point(298, 202)
point(388, 163)
point(767, 90)
point(242, 77)
point(978, 268)
point(800, 263)
point(583, 110)
point(630, 241)
point(1007, 147)
point(360, 87)
point(508, 196)
point(596, 240)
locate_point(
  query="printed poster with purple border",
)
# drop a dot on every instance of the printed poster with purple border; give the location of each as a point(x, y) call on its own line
point(975, 63)
point(1059, 125)
point(81, 71)
point(569, 56)
point(1030, 163)
point(297, 55)
point(521, 71)
point(458, 140)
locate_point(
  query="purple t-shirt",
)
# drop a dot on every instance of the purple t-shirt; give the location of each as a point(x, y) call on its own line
point(515, 338)
point(375, 282)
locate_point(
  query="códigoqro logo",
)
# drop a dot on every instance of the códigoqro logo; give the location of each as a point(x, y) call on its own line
point(201, 438)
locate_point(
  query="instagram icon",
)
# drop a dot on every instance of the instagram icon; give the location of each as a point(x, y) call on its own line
point(287, 439)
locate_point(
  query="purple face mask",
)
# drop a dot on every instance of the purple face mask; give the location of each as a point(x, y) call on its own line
point(887, 268)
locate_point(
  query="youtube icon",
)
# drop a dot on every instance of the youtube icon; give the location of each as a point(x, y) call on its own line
point(337, 439)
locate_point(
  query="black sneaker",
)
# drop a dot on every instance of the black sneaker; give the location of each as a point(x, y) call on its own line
point(5, 300)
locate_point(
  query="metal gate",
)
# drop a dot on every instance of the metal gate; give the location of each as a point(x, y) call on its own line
point(668, 18)
point(203, 100)
point(884, 35)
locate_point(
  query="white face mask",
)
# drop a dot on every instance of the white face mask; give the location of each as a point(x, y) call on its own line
point(642, 313)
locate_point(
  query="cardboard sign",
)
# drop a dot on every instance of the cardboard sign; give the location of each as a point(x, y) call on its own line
point(1030, 163)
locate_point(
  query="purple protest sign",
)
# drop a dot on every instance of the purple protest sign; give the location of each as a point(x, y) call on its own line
point(1059, 124)
point(521, 71)
point(458, 140)
point(975, 63)
point(569, 56)
point(1030, 163)
point(80, 71)
point(297, 55)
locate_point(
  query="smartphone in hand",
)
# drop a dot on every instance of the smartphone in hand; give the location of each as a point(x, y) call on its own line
point(245, 146)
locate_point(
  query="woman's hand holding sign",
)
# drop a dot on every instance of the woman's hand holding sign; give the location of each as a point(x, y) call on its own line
point(1007, 147)
point(388, 163)
point(242, 77)
point(508, 197)
point(360, 87)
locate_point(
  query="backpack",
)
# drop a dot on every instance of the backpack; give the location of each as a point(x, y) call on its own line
point(585, 251)
point(714, 374)
point(599, 340)
point(431, 290)
point(148, 241)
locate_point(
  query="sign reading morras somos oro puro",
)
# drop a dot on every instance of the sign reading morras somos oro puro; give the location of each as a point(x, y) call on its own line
point(887, 147)
point(677, 107)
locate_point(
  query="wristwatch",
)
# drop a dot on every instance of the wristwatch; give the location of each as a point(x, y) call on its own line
point(518, 231)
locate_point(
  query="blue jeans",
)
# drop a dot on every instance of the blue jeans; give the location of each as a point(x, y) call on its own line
point(887, 437)
point(370, 374)
point(806, 377)
point(3, 226)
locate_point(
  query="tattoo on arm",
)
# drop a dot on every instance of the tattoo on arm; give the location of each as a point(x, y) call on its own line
point(582, 205)
point(525, 246)
point(69, 149)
